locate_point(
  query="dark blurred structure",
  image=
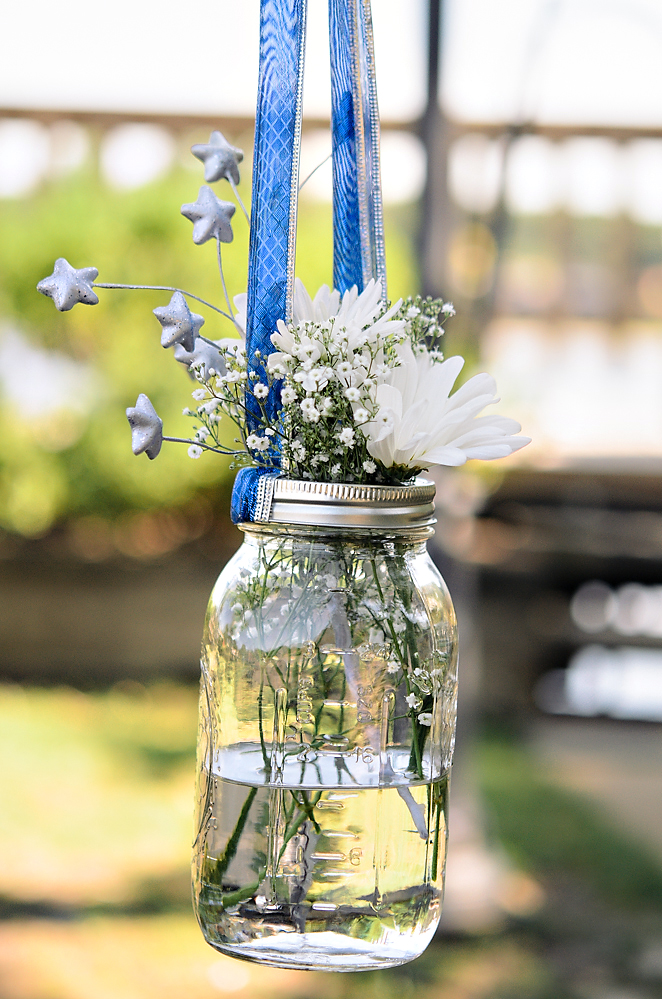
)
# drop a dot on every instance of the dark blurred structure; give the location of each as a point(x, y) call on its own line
point(548, 239)
point(540, 541)
point(95, 603)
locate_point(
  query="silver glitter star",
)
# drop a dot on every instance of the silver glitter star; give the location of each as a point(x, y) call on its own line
point(210, 217)
point(146, 427)
point(68, 286)
point(203, 354)
point(219, 157)
point(180, 325)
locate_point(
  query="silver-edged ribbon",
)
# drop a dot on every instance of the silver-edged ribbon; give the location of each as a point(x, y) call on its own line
point(358, 228)
point(358, 225)
point(275, 178)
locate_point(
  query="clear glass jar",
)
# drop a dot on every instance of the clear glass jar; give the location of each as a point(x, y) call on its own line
point(327, 726)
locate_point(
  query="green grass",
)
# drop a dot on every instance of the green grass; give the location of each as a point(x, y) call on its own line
point(97, 792)
point(552, 833)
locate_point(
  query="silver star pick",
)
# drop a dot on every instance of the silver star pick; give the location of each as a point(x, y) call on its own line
point(68, 286)
point(219, 157)
point(203, 354)
point(210, 217)
point(146, 427)
point(180, 325)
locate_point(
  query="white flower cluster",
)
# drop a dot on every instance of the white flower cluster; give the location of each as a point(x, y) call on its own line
point(366, 392)
point(229, 393)
point(331, 358)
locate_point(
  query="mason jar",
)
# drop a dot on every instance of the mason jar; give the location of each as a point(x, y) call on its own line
point(327, 726)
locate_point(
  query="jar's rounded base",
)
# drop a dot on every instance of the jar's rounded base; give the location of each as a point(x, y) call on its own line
point(325, 951)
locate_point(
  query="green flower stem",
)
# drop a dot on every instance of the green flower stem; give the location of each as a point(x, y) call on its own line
point(260, 721)
point(205, 447)
point(223, 862)
point(241, 894)
point(308, 806)
point(416, 759)
point(437, 802)
point(293, 818)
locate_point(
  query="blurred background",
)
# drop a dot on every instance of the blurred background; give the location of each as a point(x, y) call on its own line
point(522, 171)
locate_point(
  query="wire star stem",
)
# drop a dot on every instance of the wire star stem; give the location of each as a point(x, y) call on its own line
point(238, 197)
point(220, 268)
point(314, 170)
point(205, 340)
point(164, 287)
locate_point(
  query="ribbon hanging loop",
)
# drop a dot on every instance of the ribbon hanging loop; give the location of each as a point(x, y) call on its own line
point(275, 174)
point(358, 225)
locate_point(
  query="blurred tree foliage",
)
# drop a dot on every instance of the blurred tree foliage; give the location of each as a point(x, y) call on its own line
point(68, 462)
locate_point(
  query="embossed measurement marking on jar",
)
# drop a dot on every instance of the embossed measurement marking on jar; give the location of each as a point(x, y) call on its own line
point(341, 855)
point(363, 712)
point(304, 701)
point(360, 754)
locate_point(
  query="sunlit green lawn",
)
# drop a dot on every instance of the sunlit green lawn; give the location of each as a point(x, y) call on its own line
point(96, 790)
point(95, 827)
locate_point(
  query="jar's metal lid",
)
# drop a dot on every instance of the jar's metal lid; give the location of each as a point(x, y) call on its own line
point(343, 504)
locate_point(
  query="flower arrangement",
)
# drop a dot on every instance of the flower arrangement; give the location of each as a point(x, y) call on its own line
point(331, 658)
point(361, 388)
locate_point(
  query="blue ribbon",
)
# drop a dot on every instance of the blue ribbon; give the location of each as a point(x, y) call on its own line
point(273, 210)
point(245, 493)
point(358, 230)
point(358, 226)
point(275, 182)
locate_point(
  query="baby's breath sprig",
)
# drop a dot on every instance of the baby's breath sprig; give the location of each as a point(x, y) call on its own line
point(424, 318)
point(330, 370)
point(228, 394)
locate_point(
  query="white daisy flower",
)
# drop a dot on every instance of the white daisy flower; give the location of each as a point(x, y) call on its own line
point(420, 424)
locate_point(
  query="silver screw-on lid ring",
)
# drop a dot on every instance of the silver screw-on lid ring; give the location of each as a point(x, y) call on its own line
point(343, 504)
